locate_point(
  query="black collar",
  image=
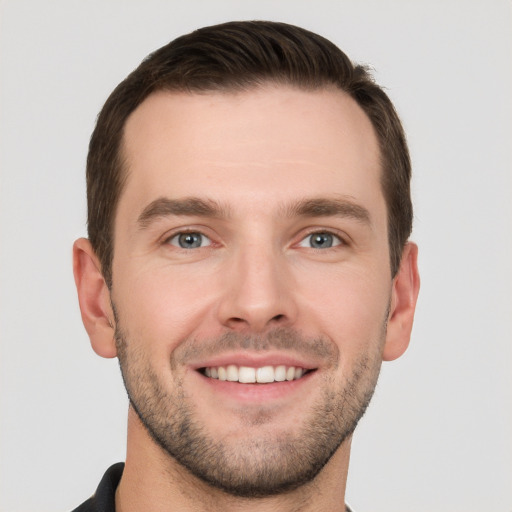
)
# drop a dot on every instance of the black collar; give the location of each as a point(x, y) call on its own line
point(104, 499)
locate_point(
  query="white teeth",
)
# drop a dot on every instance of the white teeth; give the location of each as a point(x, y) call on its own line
point(249, 375)
point(280, 373)
point(232, 373)
point(246, 374)
point(265, 374)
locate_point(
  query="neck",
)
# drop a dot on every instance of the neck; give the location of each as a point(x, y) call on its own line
point(154, 482)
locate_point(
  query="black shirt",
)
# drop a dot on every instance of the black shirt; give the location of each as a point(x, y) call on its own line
point(103, 500)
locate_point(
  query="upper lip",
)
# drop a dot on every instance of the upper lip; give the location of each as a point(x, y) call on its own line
point(255, 360)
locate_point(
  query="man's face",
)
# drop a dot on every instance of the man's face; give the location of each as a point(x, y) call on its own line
point(251, 244)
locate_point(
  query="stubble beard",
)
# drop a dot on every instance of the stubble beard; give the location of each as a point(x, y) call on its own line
point(251, 467)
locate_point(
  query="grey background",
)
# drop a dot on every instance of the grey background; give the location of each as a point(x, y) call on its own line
point(438, 434)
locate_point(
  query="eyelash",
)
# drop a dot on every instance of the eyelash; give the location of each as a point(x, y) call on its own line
point(336, 240)
point(189, 233)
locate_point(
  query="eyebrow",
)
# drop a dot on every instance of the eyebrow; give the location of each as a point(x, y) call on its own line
point(327, 207)
point(194, 206)
point(189, 206)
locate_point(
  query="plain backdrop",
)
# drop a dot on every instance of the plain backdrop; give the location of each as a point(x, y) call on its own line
point(438, 435)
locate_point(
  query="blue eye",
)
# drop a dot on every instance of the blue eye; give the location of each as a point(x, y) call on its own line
point(320, 240)
point(190, 240)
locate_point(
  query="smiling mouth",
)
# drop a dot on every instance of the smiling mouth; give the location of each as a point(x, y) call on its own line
point(250, 375)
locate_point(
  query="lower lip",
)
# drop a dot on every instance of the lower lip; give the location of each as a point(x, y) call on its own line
point(256, 392)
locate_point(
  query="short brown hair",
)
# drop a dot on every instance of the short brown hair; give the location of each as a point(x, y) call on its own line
point(238, 56)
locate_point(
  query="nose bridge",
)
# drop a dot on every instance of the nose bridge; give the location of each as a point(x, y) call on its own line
point(257, 294)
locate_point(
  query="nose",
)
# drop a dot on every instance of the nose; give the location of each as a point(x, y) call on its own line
point(258, 292)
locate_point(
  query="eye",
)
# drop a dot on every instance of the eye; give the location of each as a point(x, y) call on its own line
point(321, 240)
point(191, 240)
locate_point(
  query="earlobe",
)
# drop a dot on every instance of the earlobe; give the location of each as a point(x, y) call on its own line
point(94, 299)
point(406, 285)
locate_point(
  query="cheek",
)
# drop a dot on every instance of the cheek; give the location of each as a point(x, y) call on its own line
point(348, 305)
point(161, 306)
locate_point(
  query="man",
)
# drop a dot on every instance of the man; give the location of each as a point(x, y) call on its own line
point(248, 263)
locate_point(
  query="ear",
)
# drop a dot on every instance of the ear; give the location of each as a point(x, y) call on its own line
point(94, 299)
point(406, 286)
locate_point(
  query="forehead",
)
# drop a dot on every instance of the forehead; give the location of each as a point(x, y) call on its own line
point(269, 143)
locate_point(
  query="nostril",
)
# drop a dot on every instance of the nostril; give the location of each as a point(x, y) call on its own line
point(237, 323)
point(255, 323)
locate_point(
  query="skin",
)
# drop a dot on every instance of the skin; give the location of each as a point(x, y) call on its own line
point(257, 155)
